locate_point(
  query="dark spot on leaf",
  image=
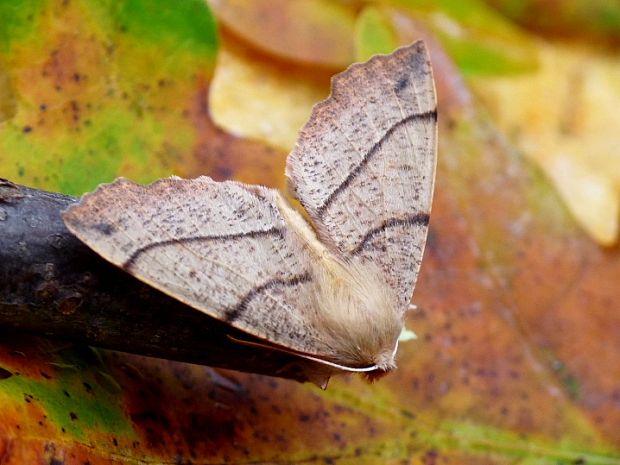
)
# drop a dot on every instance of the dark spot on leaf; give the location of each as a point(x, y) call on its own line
point(56, 462)
point(223, 172)
point(43, 107)
point(45, 375)
point(430, 458)
point(151, 416)
point(66, 393)
point(75, 110)
point(73, 416)
point(88, 387)
point(4, 374)
point(27, 129)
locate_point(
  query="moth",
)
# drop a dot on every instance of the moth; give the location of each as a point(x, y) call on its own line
point(330, 284)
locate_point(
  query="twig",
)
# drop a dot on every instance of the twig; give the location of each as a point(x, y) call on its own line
point(53, 285)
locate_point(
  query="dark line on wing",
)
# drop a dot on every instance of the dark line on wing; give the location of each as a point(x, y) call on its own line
point(235, 312)
point(186, 240)
point(417, 219)
point(430, 115)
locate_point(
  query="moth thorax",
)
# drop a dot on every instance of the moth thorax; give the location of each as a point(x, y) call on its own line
point(355, 315)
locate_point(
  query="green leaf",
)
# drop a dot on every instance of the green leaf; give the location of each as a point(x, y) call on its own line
point(104, 88)
point(479, 40)
point(373, 34)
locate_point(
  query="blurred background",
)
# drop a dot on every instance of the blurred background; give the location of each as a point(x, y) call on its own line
point(518, 355)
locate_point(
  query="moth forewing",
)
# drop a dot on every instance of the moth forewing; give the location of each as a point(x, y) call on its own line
point(363, 168)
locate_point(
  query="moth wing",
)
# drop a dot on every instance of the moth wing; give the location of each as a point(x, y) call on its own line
point(222, 248)
point(364, 164)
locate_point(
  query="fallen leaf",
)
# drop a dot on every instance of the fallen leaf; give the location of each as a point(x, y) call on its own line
point(561, 116)
point(374, 33)
point(8, 106)
point(516, 359)
point(479, 40)
point(94, 97)
point(256, 99)
point(313, 32)
point(566, 18)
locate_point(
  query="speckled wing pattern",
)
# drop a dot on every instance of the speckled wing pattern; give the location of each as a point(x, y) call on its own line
point(363, 169)
point(220, 247)
point(364, 164)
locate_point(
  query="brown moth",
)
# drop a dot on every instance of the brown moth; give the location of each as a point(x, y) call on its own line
point(333, 290)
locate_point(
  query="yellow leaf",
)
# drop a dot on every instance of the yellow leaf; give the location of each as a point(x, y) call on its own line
point(563, 116)
point(258, 100)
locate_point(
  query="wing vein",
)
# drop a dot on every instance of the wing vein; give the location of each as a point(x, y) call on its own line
point(321, 209)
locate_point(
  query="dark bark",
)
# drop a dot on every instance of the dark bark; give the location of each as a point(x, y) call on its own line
point(53, 285)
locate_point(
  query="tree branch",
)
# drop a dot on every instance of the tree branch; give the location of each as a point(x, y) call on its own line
point(51, 284)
